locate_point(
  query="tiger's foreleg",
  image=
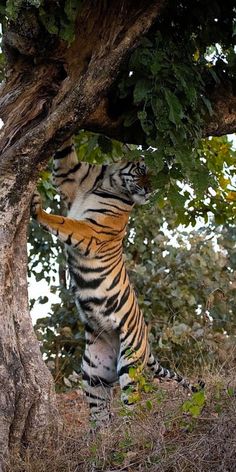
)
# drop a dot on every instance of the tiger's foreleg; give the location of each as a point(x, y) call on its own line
point(77, 234)
point(99, 374)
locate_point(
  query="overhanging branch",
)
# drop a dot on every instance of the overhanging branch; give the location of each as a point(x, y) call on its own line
point(223, 119)
point(221, 122)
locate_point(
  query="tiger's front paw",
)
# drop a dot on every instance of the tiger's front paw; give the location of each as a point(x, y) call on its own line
point(36, 204)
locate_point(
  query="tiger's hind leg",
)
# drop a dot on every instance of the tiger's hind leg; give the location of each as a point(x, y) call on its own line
point(99, 374)
point(133, 356)
point(162, 373)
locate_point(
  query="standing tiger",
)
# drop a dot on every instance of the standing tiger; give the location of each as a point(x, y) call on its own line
point(99, 200)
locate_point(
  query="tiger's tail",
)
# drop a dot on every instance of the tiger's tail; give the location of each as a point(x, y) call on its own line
point(163, 373)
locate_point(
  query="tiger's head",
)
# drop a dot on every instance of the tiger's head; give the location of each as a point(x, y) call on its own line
point(131, 179)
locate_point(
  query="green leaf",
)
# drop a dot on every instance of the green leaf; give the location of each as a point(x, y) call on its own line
point(141, 90)
point(214, 75)
point(195, 405)
point(200, 178)
point(13, 8)
point(145, 123)
point(130, 118)
point(48, 21)
point(208, 104)
point(105, 144)
point(149, 405)
point(176, 199)
point(175, 108)
point(72, 8)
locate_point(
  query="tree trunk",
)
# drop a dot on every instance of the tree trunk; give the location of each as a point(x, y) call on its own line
point(44, 100)
point(27, 392)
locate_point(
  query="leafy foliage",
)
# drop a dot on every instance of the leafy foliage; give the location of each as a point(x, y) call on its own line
point(57, 17)
point(167, 91)
point(60, 20)
point(195, 404)
point(166, 82)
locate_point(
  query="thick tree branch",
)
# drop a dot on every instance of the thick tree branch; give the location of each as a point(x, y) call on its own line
point(223, 119)
point(221, 122)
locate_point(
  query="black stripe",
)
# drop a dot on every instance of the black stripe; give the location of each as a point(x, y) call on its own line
point(111, 250)
point(67, 180)
point(124, 298)
point(111, 310)
point(74, 262)
point(127, 314)
point(86, 270)
point(95, 300)
point(88, 328)
point(131, 345)
point(88, 361)
point(116, 279)
point(137, 347)
point(83, 283)
point(112, 256)
point(108, 233)
point(63, 152)
point(86, 175)
point(78, 243)
point(101, 175)
point(135, 318)
point(93, 405)
point(88, 247)
point(125, 369)
point(111, 196)
point(68, 240)
point(111, 300)
point(130, 327)
point(94, 222)
point(71, 171)
point(94, 397)
point(126, 387)
point(104, 211)
point(110, 270)
point(121, 210)
point(95, 381)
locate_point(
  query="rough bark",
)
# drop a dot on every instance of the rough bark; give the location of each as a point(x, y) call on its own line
point(223, 119)
point(26, 386)
point(51, 91)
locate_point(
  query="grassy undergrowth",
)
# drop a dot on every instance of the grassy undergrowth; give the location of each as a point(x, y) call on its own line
point(169, 431)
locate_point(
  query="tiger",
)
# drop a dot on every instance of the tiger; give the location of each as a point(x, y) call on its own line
point(98, 202)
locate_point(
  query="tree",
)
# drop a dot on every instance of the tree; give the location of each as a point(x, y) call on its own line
point(68, 66)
